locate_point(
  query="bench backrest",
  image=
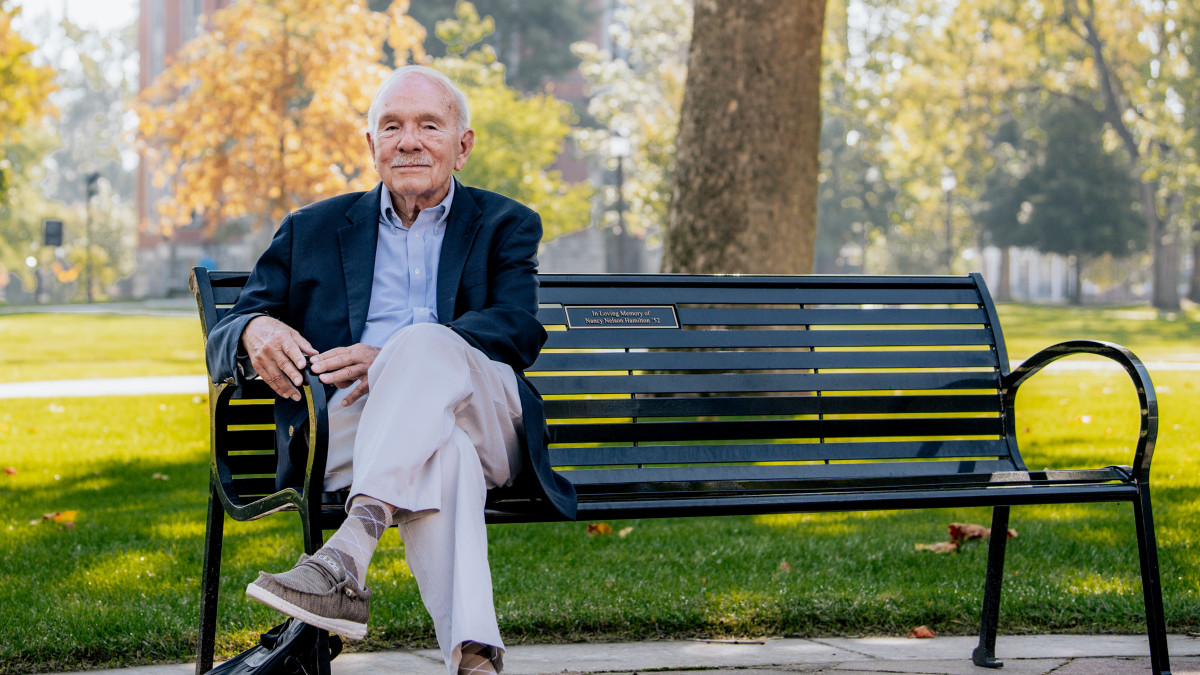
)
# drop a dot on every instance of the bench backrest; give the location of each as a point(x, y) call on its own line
point(769, 383)
point(677, 384)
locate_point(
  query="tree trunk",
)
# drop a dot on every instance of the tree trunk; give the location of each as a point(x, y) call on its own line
point(1194, 281)
point(1077, 280)
point(1164, 252)
point(744, 197)
point(1004, 293)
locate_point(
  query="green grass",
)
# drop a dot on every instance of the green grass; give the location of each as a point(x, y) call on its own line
point(80, 346)
point(121, 587)
point(1028, 328)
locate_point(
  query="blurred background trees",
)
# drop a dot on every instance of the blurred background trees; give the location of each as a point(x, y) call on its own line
point(1046, 143)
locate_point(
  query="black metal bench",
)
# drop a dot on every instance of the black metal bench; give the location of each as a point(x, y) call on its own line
point(707, 395)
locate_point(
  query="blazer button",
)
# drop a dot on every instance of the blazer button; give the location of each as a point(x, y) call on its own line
point(291, 431)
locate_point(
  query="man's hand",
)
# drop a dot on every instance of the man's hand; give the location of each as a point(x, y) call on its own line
point(342, 366)
point(277, 353)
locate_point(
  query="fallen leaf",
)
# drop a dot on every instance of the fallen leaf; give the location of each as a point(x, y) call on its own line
point(785, 566)
point(922, 632)
point(160, 476)
point(599, 528)
point(939, 547)
point(624, 531)
point(968, 532)
point(64, 516)
point(10, 470)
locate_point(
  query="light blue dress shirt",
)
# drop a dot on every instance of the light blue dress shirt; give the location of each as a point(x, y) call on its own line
point(404, 288)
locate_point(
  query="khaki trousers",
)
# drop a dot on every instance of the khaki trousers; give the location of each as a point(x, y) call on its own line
point(439, 427)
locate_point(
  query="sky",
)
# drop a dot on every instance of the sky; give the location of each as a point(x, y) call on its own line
point(105, 14)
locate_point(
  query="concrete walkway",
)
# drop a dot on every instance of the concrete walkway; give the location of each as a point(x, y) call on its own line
point(1022, 655)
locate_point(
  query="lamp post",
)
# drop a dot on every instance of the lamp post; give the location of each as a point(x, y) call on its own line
point(93, 189)
point(618, 147)
point(948, 184)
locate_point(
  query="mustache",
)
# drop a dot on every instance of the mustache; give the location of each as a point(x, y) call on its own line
point(413, 160)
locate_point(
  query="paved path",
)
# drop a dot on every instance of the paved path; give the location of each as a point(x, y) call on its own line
point(1022, 655)
point(127, 386)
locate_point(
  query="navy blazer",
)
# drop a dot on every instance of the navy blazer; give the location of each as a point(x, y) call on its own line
point(316, 277)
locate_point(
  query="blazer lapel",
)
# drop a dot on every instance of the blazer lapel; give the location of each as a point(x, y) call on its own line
point(358, 238)
point(461, 228)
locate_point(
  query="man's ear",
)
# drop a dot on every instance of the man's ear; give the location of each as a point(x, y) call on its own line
point(465, 144)
point(371, 146)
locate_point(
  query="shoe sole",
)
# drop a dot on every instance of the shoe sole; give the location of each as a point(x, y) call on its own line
point(344, 627)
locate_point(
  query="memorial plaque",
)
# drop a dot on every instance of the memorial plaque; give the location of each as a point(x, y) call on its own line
point(621, 316)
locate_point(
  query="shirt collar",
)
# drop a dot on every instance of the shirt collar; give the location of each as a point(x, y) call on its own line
point(387, 212)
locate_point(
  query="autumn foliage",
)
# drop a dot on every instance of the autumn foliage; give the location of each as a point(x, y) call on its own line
point(266, 110)
point(24, 87)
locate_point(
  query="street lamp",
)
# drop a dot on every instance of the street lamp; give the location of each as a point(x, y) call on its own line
point(93, 189)
point(949, 182)
point(619, 148)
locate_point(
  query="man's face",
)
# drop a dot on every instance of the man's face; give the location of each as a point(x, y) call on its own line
point(417, 143)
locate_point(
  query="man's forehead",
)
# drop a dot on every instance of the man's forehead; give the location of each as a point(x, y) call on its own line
point(417, 93)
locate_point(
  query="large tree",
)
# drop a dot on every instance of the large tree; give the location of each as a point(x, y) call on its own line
point(745, 186)
point(266, 112)
point(532, 37)
point(24, 88)
point(1069, 196)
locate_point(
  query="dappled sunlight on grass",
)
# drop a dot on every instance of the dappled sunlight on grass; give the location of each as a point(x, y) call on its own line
point(1097, 584)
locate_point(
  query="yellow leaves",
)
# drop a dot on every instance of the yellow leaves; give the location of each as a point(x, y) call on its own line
point(64, 518)
point(24, 87)
point(268, 104)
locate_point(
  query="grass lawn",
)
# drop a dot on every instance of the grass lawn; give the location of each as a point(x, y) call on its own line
point(81, 346)
point(121, 586)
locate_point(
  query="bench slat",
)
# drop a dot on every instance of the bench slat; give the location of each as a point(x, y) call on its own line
point(251, 488)
point(714, 479)
point(727, 295)
point(585, 408)
point(705, 430)
point(248, 414)
point(793, 316)
point(649, 338)
point(254, 464)
point(761, 382)
point(742, 360)
point(256, 439)
point(566, 456)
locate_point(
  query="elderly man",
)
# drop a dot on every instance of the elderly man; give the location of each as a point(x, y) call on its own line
point(417, 301)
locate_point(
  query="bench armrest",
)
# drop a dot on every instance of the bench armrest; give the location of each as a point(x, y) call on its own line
point(1147, 400)
point(313, 392)
point(317, 438)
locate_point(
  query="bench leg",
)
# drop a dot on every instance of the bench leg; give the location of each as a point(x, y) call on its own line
point(1156, 626)
point(210, 583)
point(323, 653)
point(985, 654)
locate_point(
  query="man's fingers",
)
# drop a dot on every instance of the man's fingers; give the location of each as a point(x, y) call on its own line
point(278, 382)
point(357, 393)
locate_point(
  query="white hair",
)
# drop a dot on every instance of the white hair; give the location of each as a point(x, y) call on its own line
point(460, 99)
